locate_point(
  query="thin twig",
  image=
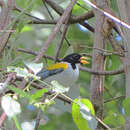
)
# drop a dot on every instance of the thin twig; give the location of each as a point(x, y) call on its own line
point(50, 93)
point(102, 123)
point(34, 53)
point(5, 20)
point(82, 18)
point(62, 39)
point(43, 22)
point(81, 6)
point(115, 98)
point(67, 41)
point(88, 26)
point(114, 72)
point(20, 10)
point(55, 96)
point(60, 11)
point(56, 29)
point(73, 19)
point(85, 69)
point(119, 53)
point(39, 113)
point(108, 91)
point(116, 47)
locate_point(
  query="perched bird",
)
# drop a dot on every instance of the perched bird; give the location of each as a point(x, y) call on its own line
point(65, 72)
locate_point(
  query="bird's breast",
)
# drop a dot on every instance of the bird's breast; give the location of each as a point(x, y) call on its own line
point(67, 78)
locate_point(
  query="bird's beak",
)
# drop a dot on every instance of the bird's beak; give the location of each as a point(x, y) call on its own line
point(83, 60)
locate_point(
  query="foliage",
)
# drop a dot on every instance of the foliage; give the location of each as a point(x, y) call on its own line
point(83, 114)
point(32, 37)
point(126, 105)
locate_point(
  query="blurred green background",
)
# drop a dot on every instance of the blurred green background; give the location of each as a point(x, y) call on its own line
point(33, 36)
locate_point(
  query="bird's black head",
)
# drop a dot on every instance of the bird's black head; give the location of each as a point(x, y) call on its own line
point(73, 58)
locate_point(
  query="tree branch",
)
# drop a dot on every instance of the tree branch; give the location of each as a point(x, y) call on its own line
point(103, 51)
point(115, 98)
point(116, 47)
point(102, 29)
point(60, 11)
point(62, 38)
point(34, 53)
point(39, 113)
point(20, 10)
point(114, 72)
point(67, 41)
point(5, 20)
point(73, 19)
point(56, 29)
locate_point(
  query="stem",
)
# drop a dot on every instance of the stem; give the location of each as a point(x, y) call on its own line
point(16, 123)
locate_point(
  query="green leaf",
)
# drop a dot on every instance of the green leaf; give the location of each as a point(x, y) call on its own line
point(38, 94)
point(83, 114)
point(17, 123)
point(46, 105)
point(22, 72)
point(58, 87)
point(88, 104)
point(126, 105)
point(27, 28)
point(20, 26)
point(77, 9)
point(32, 97)
point(20, 92)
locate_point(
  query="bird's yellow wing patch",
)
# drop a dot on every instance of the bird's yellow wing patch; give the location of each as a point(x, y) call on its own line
point(57, 66)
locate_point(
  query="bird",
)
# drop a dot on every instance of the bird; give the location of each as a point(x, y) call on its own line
point(66, 72)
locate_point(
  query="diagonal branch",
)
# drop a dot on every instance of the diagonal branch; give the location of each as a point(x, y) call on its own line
point(114, 72)
point(85, 69)
point(56, 29)
point(73, 19)
point(62, 39)
point(67, 41)
point(60, 11)
point(5, 20)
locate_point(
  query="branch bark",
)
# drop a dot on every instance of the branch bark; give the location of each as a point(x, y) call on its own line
point(124, 8)
point(56, 29)
point(62, 38)
point(73, 18)
point(85, 69)
point(5, 20)
point(98, 60)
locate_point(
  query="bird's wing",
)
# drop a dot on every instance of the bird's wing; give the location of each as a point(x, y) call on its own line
point(52, 70)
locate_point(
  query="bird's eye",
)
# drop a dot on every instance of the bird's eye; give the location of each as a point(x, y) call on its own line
point(76, 57)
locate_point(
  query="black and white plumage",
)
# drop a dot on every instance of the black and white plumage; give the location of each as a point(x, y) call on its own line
point(66, 72)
